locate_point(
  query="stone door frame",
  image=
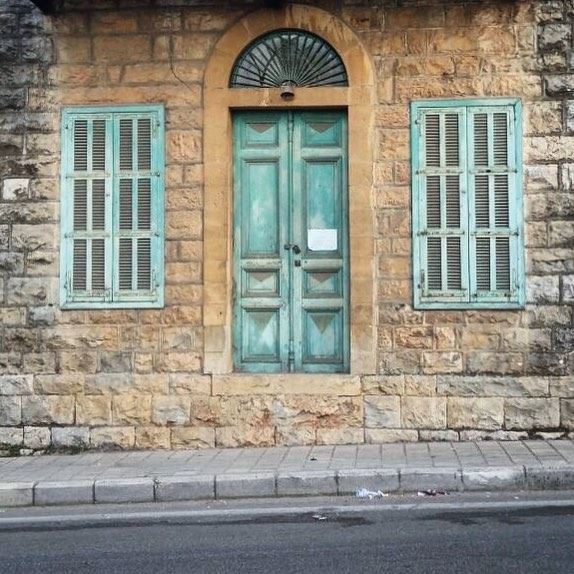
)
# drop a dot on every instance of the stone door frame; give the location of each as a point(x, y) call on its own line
point(219, 102)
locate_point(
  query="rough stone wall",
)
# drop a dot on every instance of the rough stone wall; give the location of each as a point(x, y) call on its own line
point(104, 378)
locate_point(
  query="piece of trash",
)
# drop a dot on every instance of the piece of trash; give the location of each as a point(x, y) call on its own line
point(432, 492)
point(313, 458)
point(319, 517)
point(370, 494)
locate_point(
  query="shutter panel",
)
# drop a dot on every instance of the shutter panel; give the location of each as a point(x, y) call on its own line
point(494, 245)
point(440, 221)
point(138, 236)
point(86, 221)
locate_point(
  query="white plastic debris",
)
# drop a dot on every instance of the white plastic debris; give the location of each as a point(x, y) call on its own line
point(370, 494)
point(319, 517)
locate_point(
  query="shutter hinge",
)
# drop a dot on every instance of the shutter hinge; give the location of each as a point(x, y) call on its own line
point(422, 280)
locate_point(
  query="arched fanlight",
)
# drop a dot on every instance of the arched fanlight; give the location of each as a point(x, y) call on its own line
point(288, 57)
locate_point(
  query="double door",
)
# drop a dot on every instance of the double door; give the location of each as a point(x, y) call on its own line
point(291, 252)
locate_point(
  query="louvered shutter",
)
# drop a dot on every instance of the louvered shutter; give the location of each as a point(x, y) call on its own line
point(439, 207)
point(495, 239)
point(86, 216)
point(137, 208)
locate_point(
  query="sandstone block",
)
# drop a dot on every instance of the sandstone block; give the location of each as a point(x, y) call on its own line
point(385, 385)
point(112, 437)
point(325, 411)
point(192, 437)
point(378, 436)
point(555, 36)
point(75, 437)
point(34, 237)
point(122, 49)
point(492, 386)
point(531, 413)
point(171, 410)
point(93, 410)
point(10, 410)
point(58, 384)
point(340, 436)
point(39, 363)
point(442, 362)
point(78, 361)
point(11, 436)
point(37, 437)
point(49, 409)
point(188, 384)
point(423, 412)
point(382, 411)
point(497, 363)
point(16, 385)
point(399, 362)
point(152, 437)
point(131, 409)
point(15, 189)
point(471, 413)
point(296, 435)
point(420, 385)
point(438, 436)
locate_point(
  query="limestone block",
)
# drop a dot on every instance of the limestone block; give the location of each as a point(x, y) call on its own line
point(378, 436)
point(492, 386)
point(34, 237)
point(531, 413)
point(415, 337)
point(12, 263)
point(30, 290)
point(244, 435)
point(10, 364)
point(131, 409)
point(384, 385)
point(37, 437)
point(78, 361)
point(13, 316)
point(152, 437)
point(189, 384)
point(563, 340)
point(423, 412)
point(438, 436)
point(207, 411)
point(58, 384)
point(543, 118)
point(420, 385)
point(93, 410)
point(16, 385)
point(475, 413)
point(78, 437)
point(555, 36)
point(48, 409)
point(567, 413)
point(15, 189)
point(114, 362)
point(295, 435)
point(10, 410)
point(562, 387)
point(39, 363)
point(382, 411)
point(122, 49)
point(112, 437)
point(11, 436)
point(171, 410)
point(497, 363)
point(66, 337)
point(192, 437)
point(399, 362)
point(442, 362)
point(324, 411)
point(567, 169)
point(561, 233)
point(340, 436)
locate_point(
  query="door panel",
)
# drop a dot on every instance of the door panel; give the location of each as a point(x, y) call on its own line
point(291, 242)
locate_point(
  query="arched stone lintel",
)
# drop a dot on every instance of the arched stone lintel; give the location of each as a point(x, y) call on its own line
point(219, 101)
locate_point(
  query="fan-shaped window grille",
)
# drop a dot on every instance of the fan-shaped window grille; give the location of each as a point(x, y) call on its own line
point(288, 57)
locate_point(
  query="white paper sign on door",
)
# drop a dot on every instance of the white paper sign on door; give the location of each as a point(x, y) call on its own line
point(322, 239)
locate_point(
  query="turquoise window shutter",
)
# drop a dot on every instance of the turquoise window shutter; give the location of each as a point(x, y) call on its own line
point(112, 252)
point(467, 204)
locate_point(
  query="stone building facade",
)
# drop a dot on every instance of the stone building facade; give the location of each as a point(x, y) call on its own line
point(100, 377)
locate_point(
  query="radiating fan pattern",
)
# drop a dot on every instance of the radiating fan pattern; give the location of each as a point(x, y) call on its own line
point(288, 57)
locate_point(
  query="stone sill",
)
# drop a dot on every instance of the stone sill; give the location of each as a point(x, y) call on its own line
point(286, 384)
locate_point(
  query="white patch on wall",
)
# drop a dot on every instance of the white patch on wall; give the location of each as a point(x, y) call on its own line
point(15, 189)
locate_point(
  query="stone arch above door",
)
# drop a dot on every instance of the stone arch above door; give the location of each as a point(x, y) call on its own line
point(219, 100)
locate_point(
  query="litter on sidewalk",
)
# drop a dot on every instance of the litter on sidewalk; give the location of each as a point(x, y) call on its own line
point(370, 494)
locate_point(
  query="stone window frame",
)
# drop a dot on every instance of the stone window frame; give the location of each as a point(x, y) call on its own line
point(358, 99)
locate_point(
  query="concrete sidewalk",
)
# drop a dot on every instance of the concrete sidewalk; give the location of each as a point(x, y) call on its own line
point(147, 476)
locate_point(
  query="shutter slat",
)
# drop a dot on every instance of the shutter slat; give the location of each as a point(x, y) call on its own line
point(126, 150)
point(80, 207)
point(451, 140)
point(481, 140)
point(481, 201)
point(483, 263)
point(79, 265)
point(454, 263)
point(98, 205)
point(503, 264)
point(501, 201)
point(81, 145)
point(98, 265)
point(125, 263)
point(452, 201)
point(432, 139)
point(144, 144)
point(144, 263)
point(126, 215)
point(500, 136)
point(433, 202)
point(144, 204)
point(99, 145)
point(434, 263)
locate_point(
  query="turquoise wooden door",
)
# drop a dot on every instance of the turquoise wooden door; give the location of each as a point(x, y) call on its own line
point(291, 254)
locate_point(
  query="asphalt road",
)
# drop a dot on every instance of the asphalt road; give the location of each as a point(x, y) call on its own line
point(441, 538)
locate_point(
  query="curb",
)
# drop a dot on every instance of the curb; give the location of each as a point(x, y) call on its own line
point(288, 484)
